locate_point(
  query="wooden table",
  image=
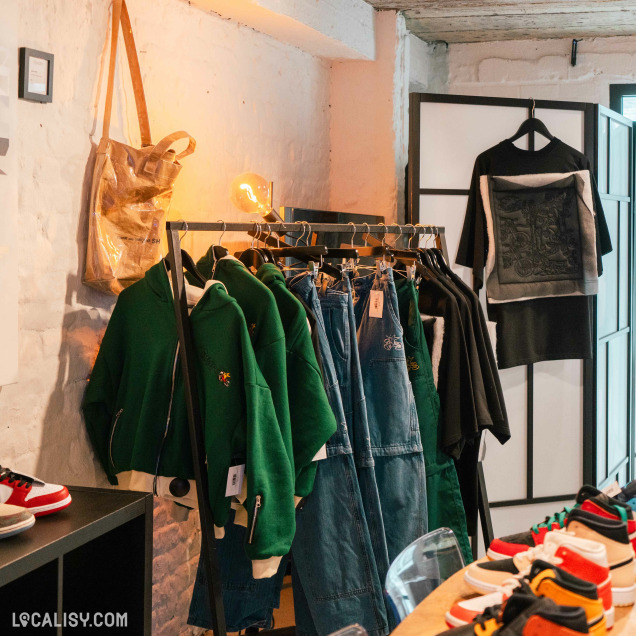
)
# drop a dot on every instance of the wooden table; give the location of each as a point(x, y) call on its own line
point(428, 617)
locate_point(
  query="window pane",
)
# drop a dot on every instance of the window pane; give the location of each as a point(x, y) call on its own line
point(629, 106)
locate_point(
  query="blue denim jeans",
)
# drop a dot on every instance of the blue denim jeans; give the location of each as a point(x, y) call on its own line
point(335, 578)
point(247, 602)
point(340, 324)
point(393, 425)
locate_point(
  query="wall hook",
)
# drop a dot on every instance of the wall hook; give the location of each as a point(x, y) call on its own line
point(575, 47)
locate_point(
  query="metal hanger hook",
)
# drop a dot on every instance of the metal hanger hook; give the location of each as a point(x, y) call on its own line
point(397, 225)
point(533, 105)
point(366, 243)
point(384, 235)
point(419, 237)
point(411, 234)
point(303, 232)
point(355, 229)
point(222, 231)
point(186, 229)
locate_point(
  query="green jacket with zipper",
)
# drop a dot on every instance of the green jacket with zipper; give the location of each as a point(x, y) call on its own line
point(312, 420)
point(135, 411)
point(265, 327)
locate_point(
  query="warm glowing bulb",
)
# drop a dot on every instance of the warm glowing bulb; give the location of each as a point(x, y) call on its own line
point(251, 193)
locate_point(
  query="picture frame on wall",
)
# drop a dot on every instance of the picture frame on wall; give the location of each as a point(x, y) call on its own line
point(35, 81)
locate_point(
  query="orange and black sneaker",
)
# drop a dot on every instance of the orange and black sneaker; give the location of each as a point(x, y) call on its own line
point(524, 614)
point(544, 579)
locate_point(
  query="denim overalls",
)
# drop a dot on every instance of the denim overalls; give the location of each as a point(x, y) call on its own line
point(336, 579)
point(393, 425)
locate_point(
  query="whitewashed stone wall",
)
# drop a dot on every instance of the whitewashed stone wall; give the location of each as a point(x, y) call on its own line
point(250, 101)
point(541, 68)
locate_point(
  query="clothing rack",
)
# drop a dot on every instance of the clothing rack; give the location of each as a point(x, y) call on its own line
point(188, 366)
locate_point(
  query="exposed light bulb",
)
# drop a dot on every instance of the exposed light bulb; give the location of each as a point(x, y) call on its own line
point(251, 193)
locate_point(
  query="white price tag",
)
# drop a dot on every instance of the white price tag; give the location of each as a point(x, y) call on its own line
point(235, 480)
point(612, 490)
point(377, 303)
point(321, 454)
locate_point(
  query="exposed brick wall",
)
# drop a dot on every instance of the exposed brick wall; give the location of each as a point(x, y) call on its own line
point(250, 101)
point(541, 68)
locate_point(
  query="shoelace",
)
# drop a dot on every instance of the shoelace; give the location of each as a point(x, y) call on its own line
point(545, 551)
point(557, 517)
point(488, 614)
point(11, 477)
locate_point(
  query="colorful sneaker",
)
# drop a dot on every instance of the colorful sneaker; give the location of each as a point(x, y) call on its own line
point(524, 614)
point(620, 553)
point(36, 496)
point(14, 519)
point(543, 579)
point(588, 498)
point(585, 559)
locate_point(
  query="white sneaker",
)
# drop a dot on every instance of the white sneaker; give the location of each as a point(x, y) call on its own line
point(14, 519)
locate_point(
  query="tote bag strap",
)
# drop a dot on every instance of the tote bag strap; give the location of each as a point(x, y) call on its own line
point(120, 15)
point(164, 145)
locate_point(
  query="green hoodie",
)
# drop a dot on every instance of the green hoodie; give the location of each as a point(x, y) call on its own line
point(312, 420)
point(135, 411)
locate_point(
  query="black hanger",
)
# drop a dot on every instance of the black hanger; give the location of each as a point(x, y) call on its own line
point(189, 266)
point(438, 257)
point(252, 257)
point(532, 124)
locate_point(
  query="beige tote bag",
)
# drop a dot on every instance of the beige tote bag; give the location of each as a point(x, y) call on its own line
point(131, 188)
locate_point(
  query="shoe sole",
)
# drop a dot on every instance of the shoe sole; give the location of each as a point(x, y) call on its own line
point(17, 528)
point(480, 586)
point(624, 596)
point(497, 556)
point(453, 621)
point(40, 511)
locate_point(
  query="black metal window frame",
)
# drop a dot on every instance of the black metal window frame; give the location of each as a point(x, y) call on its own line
point(617, 92)
point(412, 213)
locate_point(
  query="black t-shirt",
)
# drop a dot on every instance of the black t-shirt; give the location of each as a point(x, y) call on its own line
point(545, 328)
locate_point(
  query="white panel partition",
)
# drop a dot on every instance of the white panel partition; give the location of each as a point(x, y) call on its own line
point(451, 136)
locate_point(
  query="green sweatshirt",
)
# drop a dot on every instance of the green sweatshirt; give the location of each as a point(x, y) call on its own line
point(265, 327)
point(312, 420)
point(135, 411)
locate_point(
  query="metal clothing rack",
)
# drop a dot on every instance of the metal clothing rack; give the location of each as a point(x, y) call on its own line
point(188, 366)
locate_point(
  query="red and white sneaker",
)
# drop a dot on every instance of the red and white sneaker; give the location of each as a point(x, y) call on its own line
point(38, 497)
point(589, 499)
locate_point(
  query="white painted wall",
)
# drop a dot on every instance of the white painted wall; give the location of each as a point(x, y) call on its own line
point(369, 125)
point(327, 28)
point(541, 68)
point(251, 102)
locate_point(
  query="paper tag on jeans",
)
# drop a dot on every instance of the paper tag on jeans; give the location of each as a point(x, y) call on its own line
point(612, 490)
point(377, 303)
point(321, 454)
point(235, 480)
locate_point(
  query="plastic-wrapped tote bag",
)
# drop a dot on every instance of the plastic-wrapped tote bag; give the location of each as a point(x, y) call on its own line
point(131, 187)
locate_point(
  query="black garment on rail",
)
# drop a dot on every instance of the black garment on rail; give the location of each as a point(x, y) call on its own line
point(454, 383)
point(470, 392)
point(546, 328)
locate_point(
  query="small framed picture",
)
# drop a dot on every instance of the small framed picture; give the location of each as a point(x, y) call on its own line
point(36, 75)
